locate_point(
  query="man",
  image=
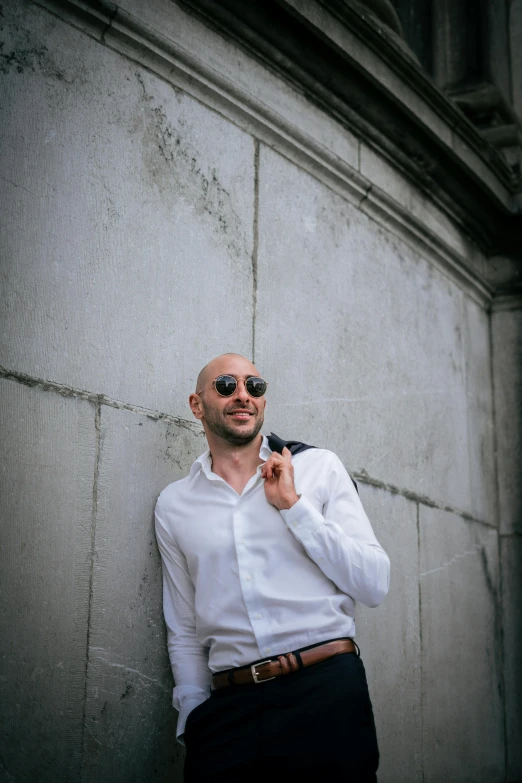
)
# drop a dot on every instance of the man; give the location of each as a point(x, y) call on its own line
point(264, 556)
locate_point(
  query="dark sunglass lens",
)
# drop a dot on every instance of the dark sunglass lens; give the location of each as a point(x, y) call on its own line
point(256, 387)
point(226, 385)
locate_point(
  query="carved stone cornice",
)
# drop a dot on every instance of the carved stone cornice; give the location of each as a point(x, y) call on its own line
point(364, 76)
point(486, 107)
point(384, 11)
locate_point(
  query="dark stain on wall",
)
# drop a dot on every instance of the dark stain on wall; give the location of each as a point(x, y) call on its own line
point(20, 52)
point(171, 159)
point(498, 631)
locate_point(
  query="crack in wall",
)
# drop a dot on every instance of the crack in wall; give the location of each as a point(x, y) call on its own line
point(97, 428)
point(420, 645)
point(499, 614)
point(461, 556)
point(255, 245)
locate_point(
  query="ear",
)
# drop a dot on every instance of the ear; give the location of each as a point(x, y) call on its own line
point(195, 406)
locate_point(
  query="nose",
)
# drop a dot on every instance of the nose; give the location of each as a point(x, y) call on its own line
point(241, 391)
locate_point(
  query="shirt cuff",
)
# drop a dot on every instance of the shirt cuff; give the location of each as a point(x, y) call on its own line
point(187, 705)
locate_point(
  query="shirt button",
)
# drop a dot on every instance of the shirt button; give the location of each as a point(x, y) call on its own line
point(268, 650)
point(247, 577)
point(258, 616)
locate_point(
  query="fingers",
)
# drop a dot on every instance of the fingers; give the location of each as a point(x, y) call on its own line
point(276, 463)
point(269, 469)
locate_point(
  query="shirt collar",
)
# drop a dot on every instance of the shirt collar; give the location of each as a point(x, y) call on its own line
point(204, 461)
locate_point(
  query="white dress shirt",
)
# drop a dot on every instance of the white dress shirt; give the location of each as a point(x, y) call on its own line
point(244, 581)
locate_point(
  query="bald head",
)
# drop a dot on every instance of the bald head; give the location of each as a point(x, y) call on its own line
point(228, 419)
point(227, 363)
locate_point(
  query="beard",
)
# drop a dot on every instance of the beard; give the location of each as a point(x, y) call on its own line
point(217, 423)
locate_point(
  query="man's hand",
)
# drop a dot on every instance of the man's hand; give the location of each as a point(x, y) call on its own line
point(278, 473)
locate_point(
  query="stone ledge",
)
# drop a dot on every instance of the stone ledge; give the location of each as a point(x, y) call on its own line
point(358, 73)
point(334, 159)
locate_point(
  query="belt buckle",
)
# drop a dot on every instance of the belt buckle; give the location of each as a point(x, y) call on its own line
point(255, 674)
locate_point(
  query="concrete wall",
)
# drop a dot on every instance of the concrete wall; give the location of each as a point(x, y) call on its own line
point(507, 342)
point(144, 232)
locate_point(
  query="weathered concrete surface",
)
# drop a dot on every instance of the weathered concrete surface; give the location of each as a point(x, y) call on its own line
point(370, 337)
point(129, 209)
point(48, 456)
point(507, 368)
point(479, 395)
point(126, 264)
point(386, 177)
point(261, 88)
point(461, 650)
point(389, 637)
point(130, 722)
point(511, 563)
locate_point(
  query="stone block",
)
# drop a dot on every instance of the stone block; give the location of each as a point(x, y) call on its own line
point(507, 371)
point(377, 370)
point(48, 458)
point(463, 725)
point(124, 201)
point(389, 637)
point(479, 392)
point(130, 721)
point(511, 564)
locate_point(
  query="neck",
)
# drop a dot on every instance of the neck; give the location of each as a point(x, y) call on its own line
point(235, 464)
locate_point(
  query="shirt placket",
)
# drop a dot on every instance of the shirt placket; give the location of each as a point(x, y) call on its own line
point(246, 567)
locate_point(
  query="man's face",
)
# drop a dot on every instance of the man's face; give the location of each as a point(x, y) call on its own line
point(238, 418)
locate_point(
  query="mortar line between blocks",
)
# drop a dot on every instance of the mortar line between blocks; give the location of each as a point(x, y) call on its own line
point(420, 643)
point(102, 399)
point(97, 428)
point(500, 603)
point(423, 500)
point(94, 397)
point(255, 245)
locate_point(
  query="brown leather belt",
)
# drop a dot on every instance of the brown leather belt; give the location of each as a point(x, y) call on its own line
point(282, 664)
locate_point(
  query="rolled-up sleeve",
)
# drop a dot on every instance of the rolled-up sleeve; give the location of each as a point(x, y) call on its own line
point(340, 540)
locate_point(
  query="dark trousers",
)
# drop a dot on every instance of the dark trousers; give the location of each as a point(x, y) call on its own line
point(316, 721)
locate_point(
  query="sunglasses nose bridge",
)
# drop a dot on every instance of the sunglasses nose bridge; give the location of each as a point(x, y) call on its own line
point(244, 392)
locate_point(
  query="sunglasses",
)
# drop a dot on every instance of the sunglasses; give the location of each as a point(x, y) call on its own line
point(225, 385)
